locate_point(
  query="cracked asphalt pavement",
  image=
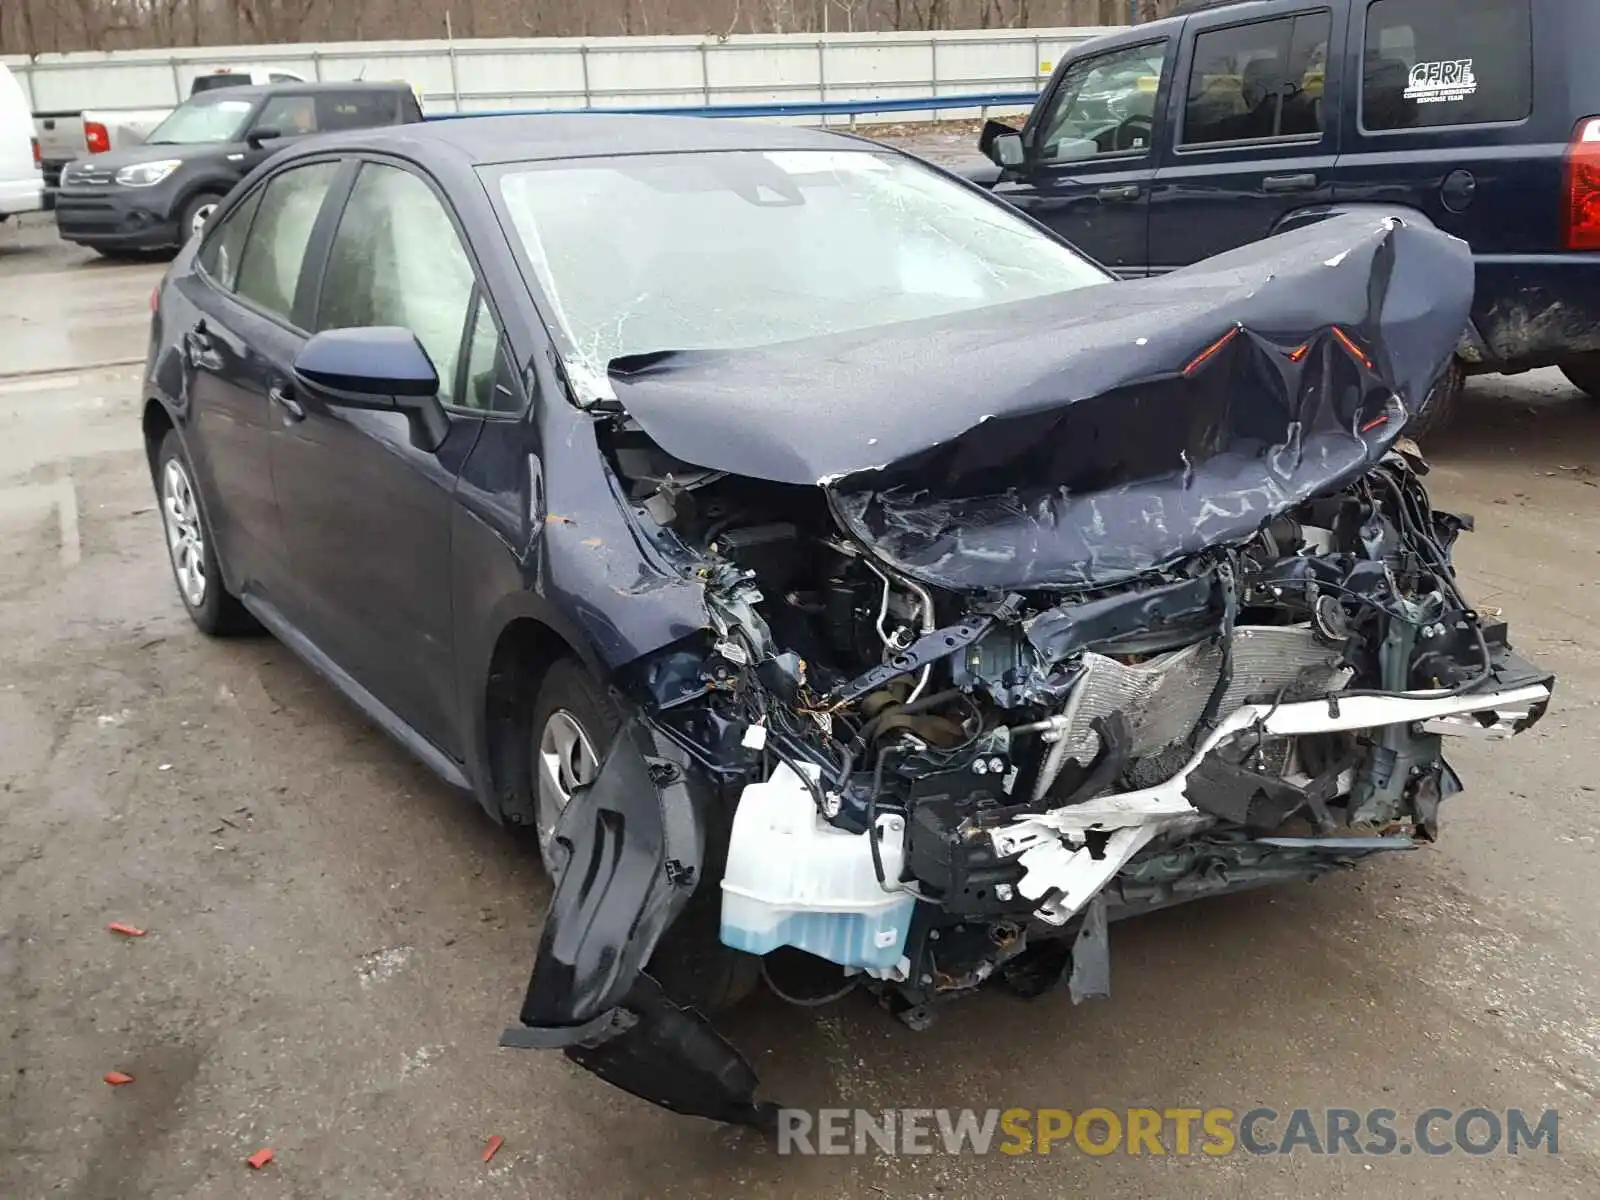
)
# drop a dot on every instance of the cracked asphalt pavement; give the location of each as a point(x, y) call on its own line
point(334, 940)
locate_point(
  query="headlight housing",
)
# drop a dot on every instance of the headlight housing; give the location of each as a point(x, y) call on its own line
point(148, 174)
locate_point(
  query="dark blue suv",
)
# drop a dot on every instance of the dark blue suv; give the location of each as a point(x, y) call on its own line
point(1236, 119)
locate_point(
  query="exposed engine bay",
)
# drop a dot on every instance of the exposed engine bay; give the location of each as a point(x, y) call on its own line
point(996, 761)
point(1162, 617)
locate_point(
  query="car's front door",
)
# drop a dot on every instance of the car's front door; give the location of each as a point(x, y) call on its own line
point(1257, 133)
point(238, 351)
point(1090, 157)
point(367, 512)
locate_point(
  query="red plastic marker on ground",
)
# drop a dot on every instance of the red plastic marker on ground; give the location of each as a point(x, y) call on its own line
point(125, 930)
point(493, 1147)
point(117, 1078)
point(259, 1159)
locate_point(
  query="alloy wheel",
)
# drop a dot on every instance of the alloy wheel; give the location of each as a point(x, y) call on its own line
point(565, 761)
point(185, 538)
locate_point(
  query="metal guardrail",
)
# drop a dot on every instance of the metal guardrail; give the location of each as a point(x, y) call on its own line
point(798, 108)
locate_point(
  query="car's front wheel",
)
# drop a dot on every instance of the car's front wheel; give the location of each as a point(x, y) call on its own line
point(190, 548)
point(574, 724)
point(1584, 374)
point(196, 213)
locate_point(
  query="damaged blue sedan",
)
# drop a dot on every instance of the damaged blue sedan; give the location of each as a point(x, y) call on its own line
point(823, 560)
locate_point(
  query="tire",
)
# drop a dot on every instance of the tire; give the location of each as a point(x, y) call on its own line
point(574, 723)
point(1584, 374)
point(1440, 405)
point(191, 550)
point(195, 214)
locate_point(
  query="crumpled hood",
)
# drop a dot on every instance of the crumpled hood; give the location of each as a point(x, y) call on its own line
point(1077, 439)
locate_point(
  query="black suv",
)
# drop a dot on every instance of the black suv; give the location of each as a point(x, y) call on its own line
point(158, 195)
point(1237, 119)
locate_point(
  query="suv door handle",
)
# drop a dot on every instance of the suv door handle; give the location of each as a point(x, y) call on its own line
point(291, 407)
point(1120, 191)
point(1278, 184)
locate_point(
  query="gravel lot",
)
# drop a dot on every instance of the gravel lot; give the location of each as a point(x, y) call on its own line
point(335, 941)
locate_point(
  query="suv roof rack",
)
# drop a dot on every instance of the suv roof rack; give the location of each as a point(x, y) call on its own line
point(1194, 6)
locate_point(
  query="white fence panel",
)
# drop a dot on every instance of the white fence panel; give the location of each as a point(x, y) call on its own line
point(478, 75)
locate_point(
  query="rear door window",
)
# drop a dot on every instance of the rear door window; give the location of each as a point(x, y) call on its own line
point(1258, 82)
point(221, 254)
point(354, 110)
point(1447, 62)
point(269, 271)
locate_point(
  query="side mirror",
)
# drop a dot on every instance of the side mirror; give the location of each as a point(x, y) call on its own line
point(383, 368)
point(1001, 144)
point(255, 137)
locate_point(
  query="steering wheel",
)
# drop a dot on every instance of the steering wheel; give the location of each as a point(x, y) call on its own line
point(1127, 135)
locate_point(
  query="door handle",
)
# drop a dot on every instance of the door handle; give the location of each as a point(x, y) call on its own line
point(1278, 184)
point(291, 407)
point(197, 346)
point(1121, 191)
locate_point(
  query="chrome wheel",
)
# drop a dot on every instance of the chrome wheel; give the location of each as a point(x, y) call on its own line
point(197, 222)
point(566, 761)
point(186, 542)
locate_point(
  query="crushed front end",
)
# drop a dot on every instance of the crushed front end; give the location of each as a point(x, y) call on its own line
point(1193, 628)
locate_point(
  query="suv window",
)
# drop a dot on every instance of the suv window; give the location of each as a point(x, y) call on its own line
point(1431, 63)
point(396, 260)
point(269, 268)
point(220, 256)
point(354, 110)
point(289, 115)
point(1258, 82)
point(1103, 105)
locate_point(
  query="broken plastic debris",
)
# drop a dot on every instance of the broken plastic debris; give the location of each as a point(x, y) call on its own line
point(117, 1078)
point(493, 1147)
point(125, 930)
point(259, 1159)
point(164, 767)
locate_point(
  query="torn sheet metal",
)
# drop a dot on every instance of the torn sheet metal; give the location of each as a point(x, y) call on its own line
point(1182, 416)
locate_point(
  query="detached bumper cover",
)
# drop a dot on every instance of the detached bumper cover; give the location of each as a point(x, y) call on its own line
point(635, 846)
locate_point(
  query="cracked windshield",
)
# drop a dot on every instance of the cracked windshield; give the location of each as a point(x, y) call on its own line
point(727, 250)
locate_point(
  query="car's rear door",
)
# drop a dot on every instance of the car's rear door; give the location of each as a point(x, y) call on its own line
point(366, 513)
point(1454, 119)
point(1090, 156)
point(1257, 134)
point(244, 326)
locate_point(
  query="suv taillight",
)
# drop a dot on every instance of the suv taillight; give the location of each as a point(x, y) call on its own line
point(1582, 222)
point(37, 159)
point(96, 136)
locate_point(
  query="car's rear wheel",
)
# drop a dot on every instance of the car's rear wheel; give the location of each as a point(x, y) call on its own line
point(574, 724)
point(190, 548)
point(1584, 374)
point(1441, 403)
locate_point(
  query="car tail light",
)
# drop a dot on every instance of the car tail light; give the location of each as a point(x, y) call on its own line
point(1582, 218)
point(38, 160)
point(97, 137)
point(155, 298)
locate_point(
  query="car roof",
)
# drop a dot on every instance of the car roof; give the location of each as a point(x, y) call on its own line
point(252, 91)
point(483, 141)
